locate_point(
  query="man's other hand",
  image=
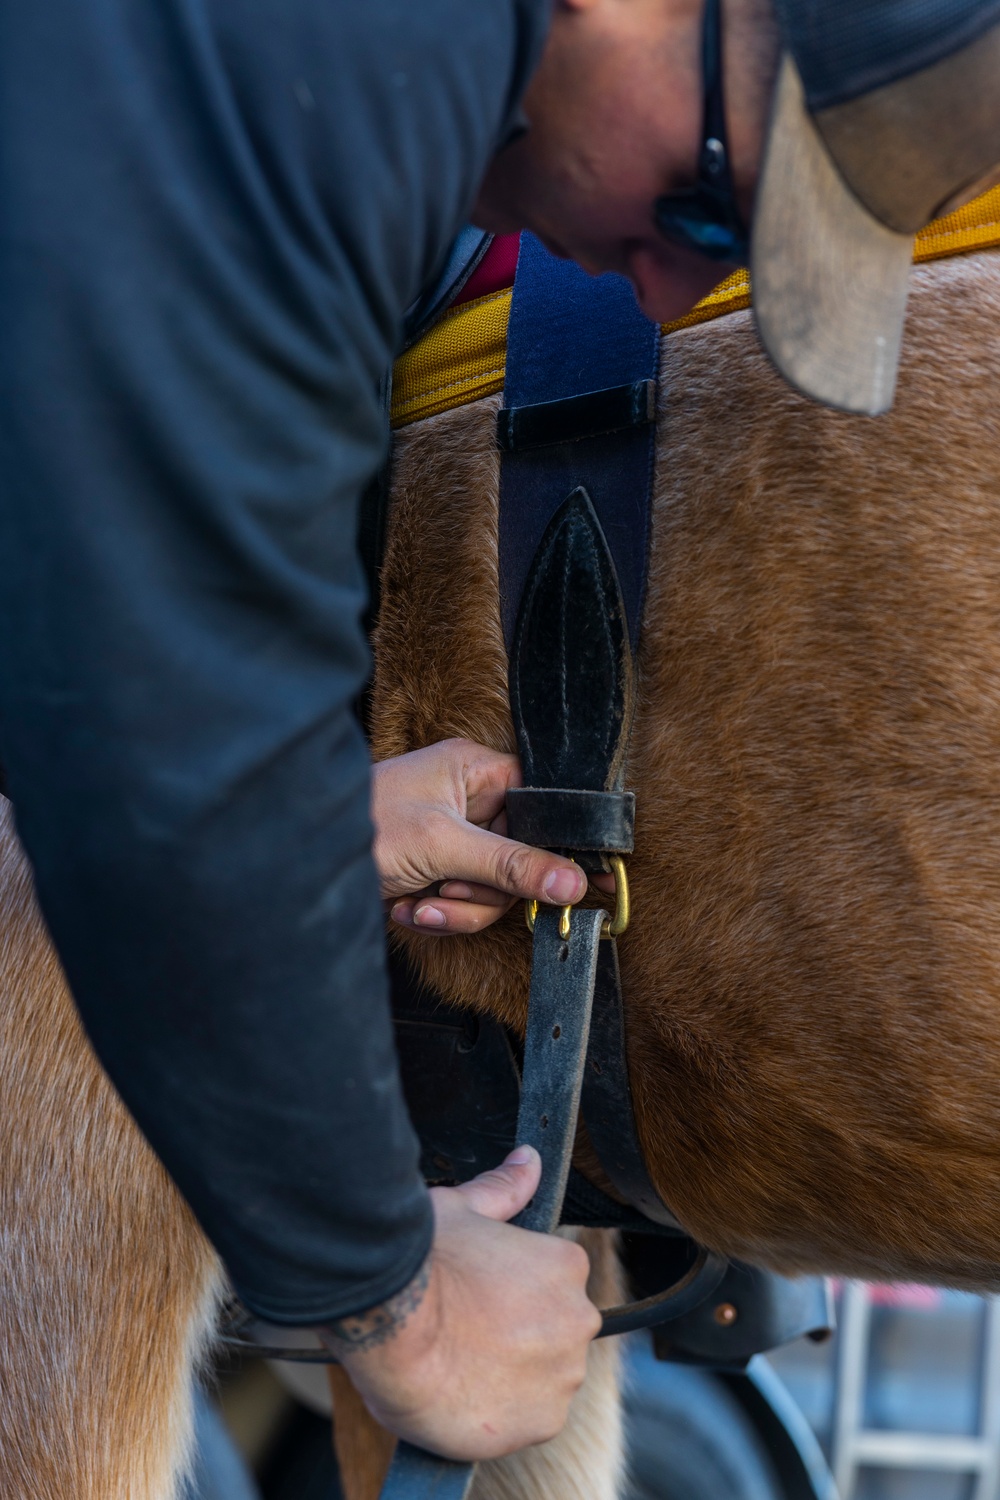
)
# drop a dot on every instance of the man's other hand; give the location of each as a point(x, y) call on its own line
point(443, 862)
point(482, 1353)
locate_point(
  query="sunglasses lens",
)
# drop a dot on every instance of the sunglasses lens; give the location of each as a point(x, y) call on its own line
point(696, 225)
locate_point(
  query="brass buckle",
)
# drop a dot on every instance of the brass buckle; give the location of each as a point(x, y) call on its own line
point(612, 927)
point(531, 912)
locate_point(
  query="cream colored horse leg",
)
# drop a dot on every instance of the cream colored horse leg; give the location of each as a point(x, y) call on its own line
point(107, 1286)
point(364, 1449)
point(586, 1460)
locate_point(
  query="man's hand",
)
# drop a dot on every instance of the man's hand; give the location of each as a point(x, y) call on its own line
point(439, 820)
point(482, 1353)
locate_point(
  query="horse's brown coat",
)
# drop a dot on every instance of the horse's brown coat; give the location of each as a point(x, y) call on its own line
point(107, 1285)
point(813, 970)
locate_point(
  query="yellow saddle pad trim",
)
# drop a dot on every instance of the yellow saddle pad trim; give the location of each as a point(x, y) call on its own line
point(462, 358)
point(464, 355)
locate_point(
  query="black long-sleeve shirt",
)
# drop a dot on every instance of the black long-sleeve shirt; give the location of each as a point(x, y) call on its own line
point(213, 214)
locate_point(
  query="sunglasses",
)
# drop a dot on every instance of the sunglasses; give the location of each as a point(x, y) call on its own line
point(705, 218)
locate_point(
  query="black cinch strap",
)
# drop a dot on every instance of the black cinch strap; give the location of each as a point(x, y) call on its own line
point(576, 436)
point(573, 540)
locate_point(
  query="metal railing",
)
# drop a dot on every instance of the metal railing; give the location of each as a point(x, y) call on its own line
point(854, 1446)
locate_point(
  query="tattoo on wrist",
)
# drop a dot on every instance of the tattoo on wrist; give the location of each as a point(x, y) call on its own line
point(363, 1331)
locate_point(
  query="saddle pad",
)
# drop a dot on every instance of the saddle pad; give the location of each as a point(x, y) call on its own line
point(463, 357)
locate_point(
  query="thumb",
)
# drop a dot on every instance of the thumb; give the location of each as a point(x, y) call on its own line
point(502, 1193)
point(517, 869)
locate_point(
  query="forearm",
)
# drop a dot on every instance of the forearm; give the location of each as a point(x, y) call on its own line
point(231, 976)
point(197, 311)
point(361, 1332)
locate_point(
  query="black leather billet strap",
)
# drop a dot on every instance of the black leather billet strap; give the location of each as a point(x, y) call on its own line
point(678, 1300)
point(563, 971)
point(572, 605)
point(594, 414)
point(607, 1095)
point(572, 818)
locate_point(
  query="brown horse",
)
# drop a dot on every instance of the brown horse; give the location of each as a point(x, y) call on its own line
point(812, 975)
point(813, 972)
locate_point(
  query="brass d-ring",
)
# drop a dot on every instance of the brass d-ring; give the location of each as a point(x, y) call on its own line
point(531, 912)
point(614, 926)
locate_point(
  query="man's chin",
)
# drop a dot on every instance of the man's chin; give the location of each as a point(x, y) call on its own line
point(669, 282)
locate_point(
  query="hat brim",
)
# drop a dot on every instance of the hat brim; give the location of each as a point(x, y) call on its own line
point(830, 281)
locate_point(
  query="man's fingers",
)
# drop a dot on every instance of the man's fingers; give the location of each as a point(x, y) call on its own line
point(502, 1193)
point(483, 858)
point(445, 918)
point(493, 870)
point(464, 890)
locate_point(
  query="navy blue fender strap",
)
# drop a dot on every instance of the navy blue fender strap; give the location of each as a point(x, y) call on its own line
point(571, 334)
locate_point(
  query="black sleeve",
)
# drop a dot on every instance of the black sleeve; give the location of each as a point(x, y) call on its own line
point(214, 213)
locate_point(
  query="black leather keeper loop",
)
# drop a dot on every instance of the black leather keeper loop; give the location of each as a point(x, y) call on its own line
point(566, 818)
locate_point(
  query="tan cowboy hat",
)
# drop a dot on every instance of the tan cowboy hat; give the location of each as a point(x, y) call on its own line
point(886, 114)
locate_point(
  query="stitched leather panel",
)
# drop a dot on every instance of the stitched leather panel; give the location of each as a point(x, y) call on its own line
point(571, 673)
point(569, 335)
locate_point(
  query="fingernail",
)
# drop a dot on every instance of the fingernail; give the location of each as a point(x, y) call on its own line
point(456, 890)
point(400, 912)
point(562, 886)
point(521, 1156)
point(429, 916)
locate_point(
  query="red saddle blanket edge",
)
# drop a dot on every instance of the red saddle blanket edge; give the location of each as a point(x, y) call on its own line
point(495, 272)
